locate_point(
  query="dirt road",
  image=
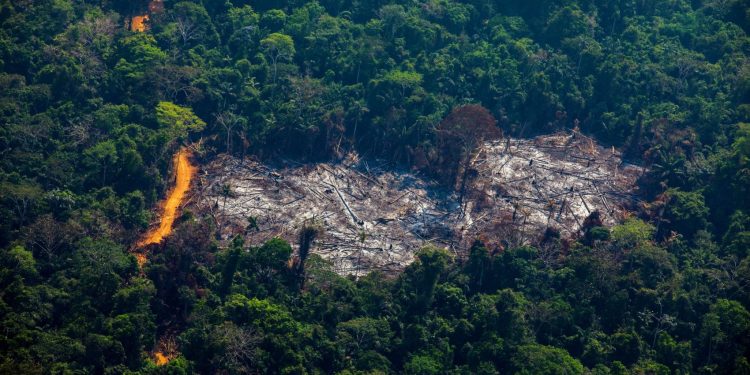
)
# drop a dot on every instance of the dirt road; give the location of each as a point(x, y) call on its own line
point(184, 172)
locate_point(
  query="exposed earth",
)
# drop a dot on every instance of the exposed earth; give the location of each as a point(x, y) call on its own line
point(376, 217)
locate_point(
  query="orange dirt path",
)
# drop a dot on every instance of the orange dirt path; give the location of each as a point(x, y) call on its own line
point(184, 171)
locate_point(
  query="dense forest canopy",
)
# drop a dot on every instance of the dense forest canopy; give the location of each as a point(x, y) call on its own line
point(91, 113)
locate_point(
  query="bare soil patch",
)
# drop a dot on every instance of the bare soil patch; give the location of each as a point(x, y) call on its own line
point(377, 218)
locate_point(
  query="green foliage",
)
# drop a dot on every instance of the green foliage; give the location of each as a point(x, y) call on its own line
point(724, 333)
point(362, 335)
point(633, 232)
point(231, 261)
point(540, 359)
point(423, 365)
point(431, 262)
point(89, 113)
point(687, 212)
point(176, 121)
point(19, 262)
point(278, 47)
point(741, 145)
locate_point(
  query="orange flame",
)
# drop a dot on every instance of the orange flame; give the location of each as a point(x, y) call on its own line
point(138, 23)
point(160, 359)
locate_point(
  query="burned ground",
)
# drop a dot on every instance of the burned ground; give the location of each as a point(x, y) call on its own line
point(376, 218)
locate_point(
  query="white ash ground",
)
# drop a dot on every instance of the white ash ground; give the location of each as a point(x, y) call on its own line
point(376, 218)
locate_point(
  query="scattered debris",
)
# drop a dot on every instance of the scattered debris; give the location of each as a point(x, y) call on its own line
point(376, 218)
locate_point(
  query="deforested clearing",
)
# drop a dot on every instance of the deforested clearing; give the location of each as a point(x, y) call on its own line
point(375, 216)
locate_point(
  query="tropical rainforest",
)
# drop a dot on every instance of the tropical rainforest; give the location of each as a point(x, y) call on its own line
point(93, 106)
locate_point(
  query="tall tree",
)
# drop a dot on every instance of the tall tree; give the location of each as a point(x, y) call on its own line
point(458, 137)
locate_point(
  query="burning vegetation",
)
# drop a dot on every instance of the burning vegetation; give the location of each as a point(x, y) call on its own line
point(139, 22)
